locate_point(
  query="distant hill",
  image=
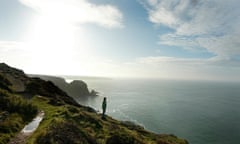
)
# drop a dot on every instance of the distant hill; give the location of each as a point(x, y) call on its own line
point(76, 88)
point(65, 121)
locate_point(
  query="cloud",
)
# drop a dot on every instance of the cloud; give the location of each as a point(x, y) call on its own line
point(173, 39)
point(78, 11)
point(170, 12)
point(208, 24)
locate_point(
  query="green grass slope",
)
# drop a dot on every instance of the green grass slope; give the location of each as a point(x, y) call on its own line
point(71, 124)
point(15, 112)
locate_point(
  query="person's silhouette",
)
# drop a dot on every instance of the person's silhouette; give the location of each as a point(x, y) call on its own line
point(104, 106)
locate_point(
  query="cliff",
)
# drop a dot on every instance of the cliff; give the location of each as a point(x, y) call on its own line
point(76, 89)
point(65, 121)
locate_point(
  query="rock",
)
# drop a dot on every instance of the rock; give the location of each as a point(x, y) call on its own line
point(78, 88)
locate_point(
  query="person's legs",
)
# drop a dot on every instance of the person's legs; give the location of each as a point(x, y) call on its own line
point(103, 113)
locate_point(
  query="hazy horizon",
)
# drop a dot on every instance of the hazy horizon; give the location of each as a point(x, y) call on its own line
point(70, 78)
point(161, 39)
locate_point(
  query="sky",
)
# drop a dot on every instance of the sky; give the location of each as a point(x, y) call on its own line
point(170, 39)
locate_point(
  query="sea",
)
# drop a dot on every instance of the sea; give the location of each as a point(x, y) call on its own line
point(203, 112)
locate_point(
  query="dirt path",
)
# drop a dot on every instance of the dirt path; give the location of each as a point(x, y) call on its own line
point(22, 137)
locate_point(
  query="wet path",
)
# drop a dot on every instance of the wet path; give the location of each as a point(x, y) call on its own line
point(28, 130)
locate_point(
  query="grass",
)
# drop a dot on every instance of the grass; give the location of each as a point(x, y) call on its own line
point(77, 125)
point(71, 124)
point(55, 116)
point(15, 113)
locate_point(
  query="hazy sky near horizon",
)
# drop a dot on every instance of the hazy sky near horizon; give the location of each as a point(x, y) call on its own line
point(176, 39)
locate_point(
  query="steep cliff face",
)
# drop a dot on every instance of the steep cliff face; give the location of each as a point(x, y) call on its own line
point(76, 89)
point(65, 120)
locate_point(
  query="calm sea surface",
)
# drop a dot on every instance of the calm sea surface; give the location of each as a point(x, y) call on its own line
point(201, 112)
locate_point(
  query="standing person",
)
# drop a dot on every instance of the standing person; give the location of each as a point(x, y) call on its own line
point(104, 106)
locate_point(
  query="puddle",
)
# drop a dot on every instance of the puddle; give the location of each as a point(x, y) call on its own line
point(32, 126)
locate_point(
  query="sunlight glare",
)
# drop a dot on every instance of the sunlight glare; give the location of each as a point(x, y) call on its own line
point(58, 44)
point(53, 40)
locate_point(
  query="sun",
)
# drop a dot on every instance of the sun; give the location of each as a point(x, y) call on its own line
point(53, 44)
point(59, 45)
point(51, 35)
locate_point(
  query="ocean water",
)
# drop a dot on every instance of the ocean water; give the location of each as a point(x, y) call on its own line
point(201, 112)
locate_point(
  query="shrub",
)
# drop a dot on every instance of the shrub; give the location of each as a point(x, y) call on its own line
point(16, 104)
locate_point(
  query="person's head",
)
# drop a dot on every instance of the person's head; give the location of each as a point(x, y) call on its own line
point(104, 98)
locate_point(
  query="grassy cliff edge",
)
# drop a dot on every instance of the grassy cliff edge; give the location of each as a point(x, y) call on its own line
point(65, 121)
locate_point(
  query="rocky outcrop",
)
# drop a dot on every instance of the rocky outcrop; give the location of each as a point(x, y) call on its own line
point(76, 89)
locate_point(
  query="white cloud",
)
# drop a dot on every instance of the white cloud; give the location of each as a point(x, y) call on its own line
point(209, 24)
point(172, 13)
point(225, 46)
point(78, 11)
point(178, 40)
point(163, 16)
